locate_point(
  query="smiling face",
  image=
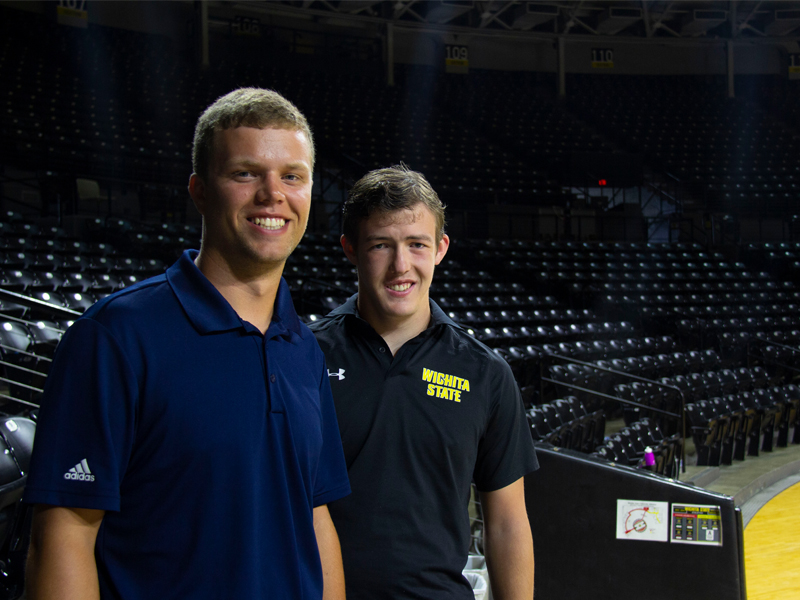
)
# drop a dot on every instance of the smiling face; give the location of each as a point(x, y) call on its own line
point(255, 200)
point(395, 255)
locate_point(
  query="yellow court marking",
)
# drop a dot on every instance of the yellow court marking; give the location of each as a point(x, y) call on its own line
point(772, 549)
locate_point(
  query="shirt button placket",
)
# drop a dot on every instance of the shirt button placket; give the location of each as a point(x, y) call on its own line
point(267, 376)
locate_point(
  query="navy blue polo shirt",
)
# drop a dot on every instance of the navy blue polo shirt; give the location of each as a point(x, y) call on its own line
point(417, 428)
point(207, 443)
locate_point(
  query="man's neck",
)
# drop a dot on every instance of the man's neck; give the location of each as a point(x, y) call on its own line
point(251, 295)
point(396, 332)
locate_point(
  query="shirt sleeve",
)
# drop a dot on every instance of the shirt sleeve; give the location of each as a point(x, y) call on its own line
point(86, 422)
point(506, 451)
point(331, 481)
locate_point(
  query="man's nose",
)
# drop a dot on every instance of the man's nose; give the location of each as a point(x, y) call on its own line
point(400, 262)
point(270, 190)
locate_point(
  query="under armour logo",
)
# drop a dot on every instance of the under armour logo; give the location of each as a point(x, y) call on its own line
point(340, 374)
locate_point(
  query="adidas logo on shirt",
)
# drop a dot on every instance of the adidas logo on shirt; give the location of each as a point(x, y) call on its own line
point(80, 472)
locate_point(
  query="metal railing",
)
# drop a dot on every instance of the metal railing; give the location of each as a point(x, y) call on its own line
point(678, 416)
point(18, 378)
point(773, 362)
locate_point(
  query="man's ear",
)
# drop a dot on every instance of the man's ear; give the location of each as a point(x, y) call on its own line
point(349, 250)
point(441, 249)
point(197, 190)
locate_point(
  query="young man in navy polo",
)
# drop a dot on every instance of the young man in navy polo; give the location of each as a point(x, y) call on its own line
point(187, 445)
point(424, 409)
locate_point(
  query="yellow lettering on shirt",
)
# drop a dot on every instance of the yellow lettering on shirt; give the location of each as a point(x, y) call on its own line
point(444, 385)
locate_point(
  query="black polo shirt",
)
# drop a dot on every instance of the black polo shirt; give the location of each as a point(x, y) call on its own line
point(417, 429)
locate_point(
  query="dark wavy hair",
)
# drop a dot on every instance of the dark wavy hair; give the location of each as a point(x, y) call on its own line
point(387, 190)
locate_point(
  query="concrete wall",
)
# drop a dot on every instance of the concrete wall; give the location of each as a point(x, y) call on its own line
point(169, 18)
point(644, 57)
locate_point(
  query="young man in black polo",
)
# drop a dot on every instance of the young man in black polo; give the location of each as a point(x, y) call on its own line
point(424, 409)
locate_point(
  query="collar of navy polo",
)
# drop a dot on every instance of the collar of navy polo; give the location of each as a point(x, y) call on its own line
point(209, 312)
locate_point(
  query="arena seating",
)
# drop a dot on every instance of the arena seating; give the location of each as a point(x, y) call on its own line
point(566, 423)
point(595, 332)
point(736, 405)
point(82, 124)
point(732, 155)
point(118, 105)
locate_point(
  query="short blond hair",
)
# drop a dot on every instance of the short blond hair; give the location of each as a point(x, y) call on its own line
point(245, 107)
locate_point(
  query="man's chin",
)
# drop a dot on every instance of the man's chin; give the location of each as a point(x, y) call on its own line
point(402, 309)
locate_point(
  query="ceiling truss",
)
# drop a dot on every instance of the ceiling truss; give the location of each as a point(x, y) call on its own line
point(668, 19)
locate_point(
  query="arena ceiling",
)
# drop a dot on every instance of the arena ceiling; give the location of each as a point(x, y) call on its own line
point(619, 19)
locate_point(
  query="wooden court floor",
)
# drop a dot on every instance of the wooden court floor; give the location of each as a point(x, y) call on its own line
point(772, 549)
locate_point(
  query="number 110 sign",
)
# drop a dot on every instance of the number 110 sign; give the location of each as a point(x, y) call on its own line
point(602, 58)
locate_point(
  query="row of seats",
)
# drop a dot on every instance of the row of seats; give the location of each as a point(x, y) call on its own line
point(734, 426)
point(567, 424)
point(73, 263)
point(613, 348)
point(19, 338)
point(643, 266)
point(497, 316)
point(66, 283)
point(522, 335)
point(628, 447)
point(526, 362)
point(676, 364)
point(26, 350)
point(670, 393)
point(698, 384)
point(566, 249)
point(743, 291)
point(709, 306)
point(666, 275)
point(631, 362)
point(575, 256)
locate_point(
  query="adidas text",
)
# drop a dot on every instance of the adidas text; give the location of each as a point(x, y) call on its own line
point(80, 472)
point(79, 476)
